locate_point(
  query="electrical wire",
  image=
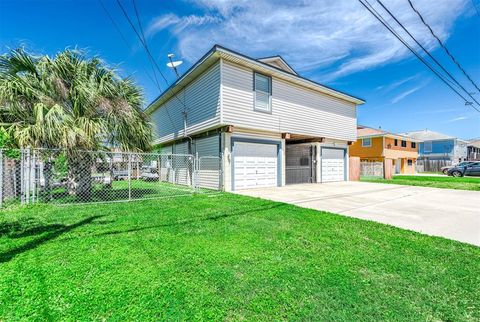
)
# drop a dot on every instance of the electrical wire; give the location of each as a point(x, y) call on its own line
point(428, 53)
point(386, 25)
point(117, 28)
point(443, 45)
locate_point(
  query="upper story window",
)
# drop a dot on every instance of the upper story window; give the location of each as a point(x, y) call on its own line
point(413, 145)
point(427, 146)
point(404, 144)
point(396, 142)
point(367, 142)
point(263, 92)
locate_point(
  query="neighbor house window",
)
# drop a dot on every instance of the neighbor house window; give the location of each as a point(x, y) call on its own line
point(367, 142)
point(404, 144)
point(413, 145)
point(427, 146)
point(263, 92)
point(410, 162)
point(396, 142)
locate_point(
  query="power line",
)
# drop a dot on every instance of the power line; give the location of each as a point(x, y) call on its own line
point(117, 28)
point(427, 52)
point(128, 45)
point(146, 44)
point(386, 25)
point(147, 50)
point(443, 46)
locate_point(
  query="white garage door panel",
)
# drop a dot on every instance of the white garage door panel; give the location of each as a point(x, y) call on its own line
point(255, 165)
point(333, 165)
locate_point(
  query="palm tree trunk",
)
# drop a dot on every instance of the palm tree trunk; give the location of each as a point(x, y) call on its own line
point(80, 175)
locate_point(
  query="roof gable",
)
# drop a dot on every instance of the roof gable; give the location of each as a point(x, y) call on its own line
point(278, 62)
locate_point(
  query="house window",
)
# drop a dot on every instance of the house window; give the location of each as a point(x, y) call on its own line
point(396, 142)
point(427, 146)
point(410, 162)
point(367, 142)
point(404, 144)
point(413, 145)
point(263, 93)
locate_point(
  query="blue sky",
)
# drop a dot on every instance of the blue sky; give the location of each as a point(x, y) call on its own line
point(337, 43)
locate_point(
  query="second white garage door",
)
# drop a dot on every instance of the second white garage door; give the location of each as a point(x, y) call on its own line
point(255, 165)
point(333, 165)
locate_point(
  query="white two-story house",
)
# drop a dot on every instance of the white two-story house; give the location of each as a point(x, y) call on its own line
point(272, 126)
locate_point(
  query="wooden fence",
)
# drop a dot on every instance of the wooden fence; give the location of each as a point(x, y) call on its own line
point(431, 165)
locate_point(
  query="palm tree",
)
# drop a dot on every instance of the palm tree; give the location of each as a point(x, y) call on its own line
point(73, 103)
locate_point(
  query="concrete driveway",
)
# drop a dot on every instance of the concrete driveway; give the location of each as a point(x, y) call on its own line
point(453, 214)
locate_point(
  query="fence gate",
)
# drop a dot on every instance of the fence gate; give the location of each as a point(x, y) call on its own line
point(300, 164)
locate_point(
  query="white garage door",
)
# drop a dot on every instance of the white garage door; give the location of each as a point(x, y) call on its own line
point(255, 165)
point(333, 165)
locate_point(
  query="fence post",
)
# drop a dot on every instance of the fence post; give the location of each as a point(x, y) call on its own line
point(34, 164)
point(195, 163)
point(22, 174)
point(221, 176)
point(129, 176)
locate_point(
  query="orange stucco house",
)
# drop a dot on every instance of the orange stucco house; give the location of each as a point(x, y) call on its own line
point(378, 145)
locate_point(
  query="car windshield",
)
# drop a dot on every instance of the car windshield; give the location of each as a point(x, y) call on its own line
point(463, 163)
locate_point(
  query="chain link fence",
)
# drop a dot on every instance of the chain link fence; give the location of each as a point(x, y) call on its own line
point(29, 176)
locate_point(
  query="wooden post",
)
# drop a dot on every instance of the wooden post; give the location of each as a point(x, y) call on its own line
point(387, 168)
point(354, 168)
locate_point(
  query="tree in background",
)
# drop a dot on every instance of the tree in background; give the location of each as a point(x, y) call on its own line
point(74, 103)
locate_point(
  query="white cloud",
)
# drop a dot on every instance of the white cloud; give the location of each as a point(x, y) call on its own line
point(406, 93)
point(456, 119)
point(339, 37)
point(177, 24)
point(394, 85)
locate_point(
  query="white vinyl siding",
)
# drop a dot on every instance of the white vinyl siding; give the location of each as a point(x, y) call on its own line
point(207, 146)
point(295, 109)
point(263, 93)
point(181, 148)
point(200, 99)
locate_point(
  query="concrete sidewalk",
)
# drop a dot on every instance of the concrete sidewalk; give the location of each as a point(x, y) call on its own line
point(453, 214)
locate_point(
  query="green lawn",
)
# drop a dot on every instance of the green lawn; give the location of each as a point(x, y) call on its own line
point(463, 183)
point(119, 191)
point(226, 257)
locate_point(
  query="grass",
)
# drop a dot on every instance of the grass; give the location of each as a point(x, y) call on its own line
point(463, 183)
point(226, 257)
point(117, 192)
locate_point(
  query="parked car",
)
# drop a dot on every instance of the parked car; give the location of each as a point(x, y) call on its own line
point(120, 175)
point(461, 164)
point(470, 169)
point(149, 173)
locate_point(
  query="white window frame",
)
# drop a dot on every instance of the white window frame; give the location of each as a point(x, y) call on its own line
point(369, 144)
point(425, 146)
point(255, 107)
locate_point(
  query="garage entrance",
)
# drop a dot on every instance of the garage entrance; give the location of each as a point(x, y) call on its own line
point(333, 164)
point(255, 165)
point(300, 163)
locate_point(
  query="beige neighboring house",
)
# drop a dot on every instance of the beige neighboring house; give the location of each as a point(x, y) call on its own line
point(272, 126)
